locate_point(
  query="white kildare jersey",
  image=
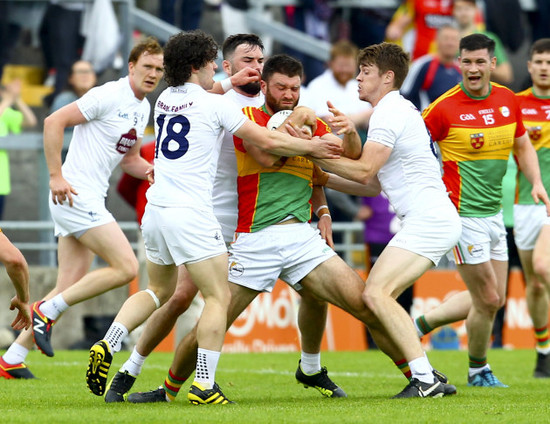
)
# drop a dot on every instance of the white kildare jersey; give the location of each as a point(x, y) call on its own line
point(189, 124)
point(411, 178)
point(224, 194)
point(116, 120)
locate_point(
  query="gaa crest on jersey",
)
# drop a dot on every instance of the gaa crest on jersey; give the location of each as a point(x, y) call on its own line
point(477, 140)
point(535, 133)
point(505, 111)
point(126, 141)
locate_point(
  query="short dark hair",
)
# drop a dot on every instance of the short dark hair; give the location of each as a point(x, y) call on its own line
point(233, 41)
point(149, 45)
point(477, 41)
point(282, 64)
point(542, 45)
point(185, 51)
point(387, 57)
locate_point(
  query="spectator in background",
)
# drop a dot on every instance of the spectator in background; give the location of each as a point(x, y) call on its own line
point(15, 115)
point(368, 24)
point(431, 75)
point(313, 18)
point(338, 86)
point(81, 78)
point(465, 13)
point(234, 21)
point(61, 42)
point(189, 16)
point(425, 17)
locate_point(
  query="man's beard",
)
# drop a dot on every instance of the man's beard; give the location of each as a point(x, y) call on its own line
point(252, 88)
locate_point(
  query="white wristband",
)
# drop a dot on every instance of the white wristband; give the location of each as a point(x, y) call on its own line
point(226, 85)
point(326, 214)
point(319, 208)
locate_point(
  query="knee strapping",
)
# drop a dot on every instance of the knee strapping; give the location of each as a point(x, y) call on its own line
point(154, 296)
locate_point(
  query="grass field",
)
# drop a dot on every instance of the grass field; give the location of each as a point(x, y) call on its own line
point(265, 390)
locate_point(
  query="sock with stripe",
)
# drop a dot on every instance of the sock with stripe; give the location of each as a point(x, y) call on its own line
point(422, 326)
point(172, 385)
point(476, 365)
point(543, 342)
point(403, 366)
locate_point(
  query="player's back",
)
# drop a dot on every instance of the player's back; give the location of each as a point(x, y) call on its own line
point(188, 126)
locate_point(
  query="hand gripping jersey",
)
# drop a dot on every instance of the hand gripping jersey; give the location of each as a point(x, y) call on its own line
point(116, 120)
point(535, 112)
point(475, 136)
point(269, 195)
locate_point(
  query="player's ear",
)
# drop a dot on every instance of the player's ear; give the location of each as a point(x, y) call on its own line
point(263, 86)
point(226, 66)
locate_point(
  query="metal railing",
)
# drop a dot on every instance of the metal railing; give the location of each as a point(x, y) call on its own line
point(351, 231)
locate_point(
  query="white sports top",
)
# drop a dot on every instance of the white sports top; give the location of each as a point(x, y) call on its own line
point(411, 178)
point(116, 119)
point(189, 123)
point(224, 194)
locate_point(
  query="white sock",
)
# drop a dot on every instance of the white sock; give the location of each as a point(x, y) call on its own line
point(544, 351)
point(207, 362)
point(426, 356)
point(115, 335)
point(474, 371)
point(54, 307)
point(15, 354)
point(422, 370)
point(310, 362)
point(134, 363)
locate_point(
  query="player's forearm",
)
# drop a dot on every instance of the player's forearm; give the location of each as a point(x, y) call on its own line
point(352, 145)
point(371, 189)
point(135, 166)
point(350, 169)
point(53, 143)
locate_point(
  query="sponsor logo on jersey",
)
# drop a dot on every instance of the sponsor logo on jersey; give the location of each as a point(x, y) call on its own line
point(505, 111)
point(535, 133)
point(528, 111)
point(467, 117)
point(477, 140)
point(126, 141)
point(486, 111)
point(235, 269)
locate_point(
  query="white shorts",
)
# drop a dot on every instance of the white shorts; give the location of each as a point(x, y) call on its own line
point(180, 235)
point(288, 251)
point(430, 235)
point(528, 221)
point(87, 212)
point(228, 223)
point(482, 239)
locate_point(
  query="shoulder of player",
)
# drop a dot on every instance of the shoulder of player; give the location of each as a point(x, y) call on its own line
point(447, 97)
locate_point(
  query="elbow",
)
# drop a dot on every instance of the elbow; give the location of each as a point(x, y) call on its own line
point(267, 162)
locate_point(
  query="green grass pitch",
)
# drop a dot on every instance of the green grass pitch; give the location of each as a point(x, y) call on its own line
point(265, 391)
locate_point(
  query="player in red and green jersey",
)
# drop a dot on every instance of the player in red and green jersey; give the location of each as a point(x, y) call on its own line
point(261, 201)
point(531, 222)
point(477, 124)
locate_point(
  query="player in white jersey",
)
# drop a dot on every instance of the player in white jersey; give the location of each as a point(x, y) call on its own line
point(240, 51)
point(179, 226)
point(109, 122)
point(399, 153)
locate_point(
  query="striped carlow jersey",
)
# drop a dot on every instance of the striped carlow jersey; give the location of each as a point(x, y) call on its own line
point(536, 118)
point(475, 136)
point(268, 195)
